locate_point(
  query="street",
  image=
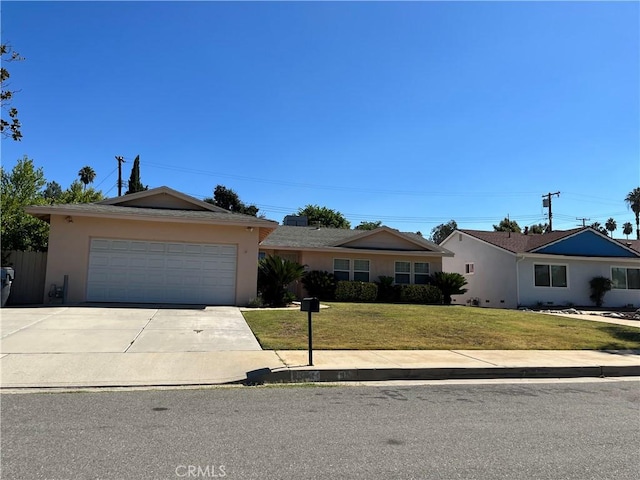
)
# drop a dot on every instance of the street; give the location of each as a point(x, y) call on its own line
point(572, 430)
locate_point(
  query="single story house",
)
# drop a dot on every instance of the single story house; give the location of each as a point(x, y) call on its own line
point(156, 246)
point(361, 255)
point(506, 269)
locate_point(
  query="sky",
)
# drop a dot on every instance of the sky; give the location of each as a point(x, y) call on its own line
point(411, 113)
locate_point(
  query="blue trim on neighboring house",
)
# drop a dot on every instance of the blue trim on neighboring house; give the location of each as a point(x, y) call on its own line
point(587, 244)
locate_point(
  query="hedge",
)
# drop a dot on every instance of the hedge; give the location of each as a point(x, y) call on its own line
point(347, 291)
point(421, 294)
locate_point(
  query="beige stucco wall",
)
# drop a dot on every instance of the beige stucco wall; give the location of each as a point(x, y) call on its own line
point(69, 248)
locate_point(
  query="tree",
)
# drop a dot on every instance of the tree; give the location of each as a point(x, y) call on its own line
point(597, 226)
point(53, 192)
point(633, 201)
point(539, 228)
point(627, 229)
point(274, 276)
point(599, 286)
point(369, 225)
point(87, 175)
point(20, 188)
point(228, 199)
point(507, 225)
point(449, 284)
point(134, 180)
point(611, 226)
point(11, 127)
point(78, 193)
point(323, 216)
point(442, 231)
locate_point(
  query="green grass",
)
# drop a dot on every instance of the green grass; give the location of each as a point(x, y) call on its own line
point(365, 326)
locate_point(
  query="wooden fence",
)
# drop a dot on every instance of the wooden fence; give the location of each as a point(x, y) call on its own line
point(30, 269)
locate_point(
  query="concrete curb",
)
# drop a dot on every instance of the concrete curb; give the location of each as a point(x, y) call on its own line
point(383, 374)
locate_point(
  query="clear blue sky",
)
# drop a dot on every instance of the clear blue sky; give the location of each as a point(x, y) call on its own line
point(410, 113)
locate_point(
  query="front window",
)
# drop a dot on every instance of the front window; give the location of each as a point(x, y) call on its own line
point(341, 268)
point(625, 278)
point(420, 273)
point(550, 275)
point(469, 268)
point(403, 273)
point(361, 270)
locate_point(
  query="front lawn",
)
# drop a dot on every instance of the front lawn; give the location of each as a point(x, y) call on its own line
point(376, 326)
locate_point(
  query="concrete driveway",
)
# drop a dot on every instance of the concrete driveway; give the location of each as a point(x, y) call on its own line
point(102, 329)
point(71, 346)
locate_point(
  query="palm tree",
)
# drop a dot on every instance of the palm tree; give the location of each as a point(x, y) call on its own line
point(633, 200)
point(87, 175)
point(627, 229)
point(449, 284)
point(611, 226)
point(274, 276)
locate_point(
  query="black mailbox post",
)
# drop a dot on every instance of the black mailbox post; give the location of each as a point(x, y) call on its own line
point(310, 305)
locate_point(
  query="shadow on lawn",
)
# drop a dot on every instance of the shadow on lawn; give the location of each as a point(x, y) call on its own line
point(622, 334)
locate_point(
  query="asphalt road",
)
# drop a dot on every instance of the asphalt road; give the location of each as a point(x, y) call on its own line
point(499, 431)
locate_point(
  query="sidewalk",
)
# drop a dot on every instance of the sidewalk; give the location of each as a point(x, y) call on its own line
point(81, 370)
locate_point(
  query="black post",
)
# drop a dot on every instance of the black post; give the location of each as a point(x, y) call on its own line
point(310, 342)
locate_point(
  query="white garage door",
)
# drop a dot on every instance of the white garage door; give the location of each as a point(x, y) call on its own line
point(161, 272)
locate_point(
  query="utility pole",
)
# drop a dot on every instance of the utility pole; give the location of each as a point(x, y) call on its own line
point(584, 221)
point(546, 202)
point(120, 160)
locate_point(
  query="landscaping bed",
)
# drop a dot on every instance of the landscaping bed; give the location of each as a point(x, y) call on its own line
point(367, 326)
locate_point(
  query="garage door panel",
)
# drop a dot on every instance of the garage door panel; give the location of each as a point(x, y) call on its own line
point(156, 272)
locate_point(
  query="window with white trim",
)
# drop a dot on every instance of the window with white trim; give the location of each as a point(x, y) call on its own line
point(403, 273)
point(361, 270)
point(341, 268)
point(421, 273)
point(623, 278)
point(469, 268)
point(550, 276)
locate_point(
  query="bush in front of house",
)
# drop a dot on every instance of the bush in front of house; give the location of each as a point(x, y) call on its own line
point(320, 284)
point(449, 284)
point(348, 291)
point(599, 287)
point(420, 294)
point(274, 276)
point(388, 292)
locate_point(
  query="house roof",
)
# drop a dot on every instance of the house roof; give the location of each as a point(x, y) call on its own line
point(326, 238)
point(521, 243)
point(115, 208)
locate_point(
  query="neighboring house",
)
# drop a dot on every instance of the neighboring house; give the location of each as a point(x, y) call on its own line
point(156, 246)
point(357, 254)
point(508, 270)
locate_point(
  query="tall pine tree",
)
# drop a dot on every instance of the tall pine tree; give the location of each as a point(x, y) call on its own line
point(135, 185)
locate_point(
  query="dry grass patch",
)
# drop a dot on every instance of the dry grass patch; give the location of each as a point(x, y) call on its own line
point(365, 326)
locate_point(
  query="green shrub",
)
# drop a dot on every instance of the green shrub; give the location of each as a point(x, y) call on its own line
point(347, 291)
point(320, 284)
point(274, 276)
point(420, 294)
point(449, 284)
point(599, 286)
point(387, 291)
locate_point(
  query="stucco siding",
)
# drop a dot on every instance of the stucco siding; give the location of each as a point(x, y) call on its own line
point(71, 242)
point(493, 281)
point(579, 273)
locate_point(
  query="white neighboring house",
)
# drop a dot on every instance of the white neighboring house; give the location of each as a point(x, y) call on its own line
point(507, 270)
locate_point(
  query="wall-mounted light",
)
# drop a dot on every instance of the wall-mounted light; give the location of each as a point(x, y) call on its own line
point(249, 229)
point(69, 219)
